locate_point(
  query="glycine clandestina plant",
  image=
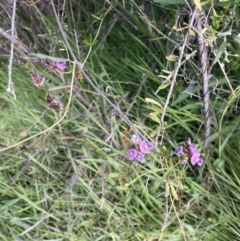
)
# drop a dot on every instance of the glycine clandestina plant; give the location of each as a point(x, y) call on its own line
point(39, 81)
point(141, 147)
point(189, 152)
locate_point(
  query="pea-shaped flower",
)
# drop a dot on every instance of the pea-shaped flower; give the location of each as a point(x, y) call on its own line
point(146, 146)
point(132, 154)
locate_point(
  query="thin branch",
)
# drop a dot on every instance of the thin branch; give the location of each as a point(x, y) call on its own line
point(15, 41)
point(10, 83)
point(6, 7)
point(205, 79)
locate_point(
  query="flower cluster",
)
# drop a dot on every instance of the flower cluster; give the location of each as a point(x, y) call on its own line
point(52, 102)
point(141, 147)
point(189, 152)
point(39, 81)
point(55, 67)
point(60, 65)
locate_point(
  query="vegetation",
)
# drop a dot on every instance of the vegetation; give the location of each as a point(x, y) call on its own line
point(87, 77)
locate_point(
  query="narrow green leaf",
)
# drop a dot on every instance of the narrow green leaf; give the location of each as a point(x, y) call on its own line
point(161, 87)
point(155, 117)
point(173, 191)
point(236, 38)
point(167, 189)
point(198, 4)
point(56, 88)
point(220, 51)
point(172, 57)
point(149, 100)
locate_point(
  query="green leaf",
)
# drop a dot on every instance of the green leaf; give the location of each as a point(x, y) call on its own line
point(149, 100)
point(163, 150)
point(91, 41)
point(43, 56)
point(205, 2)
point(220, 51)
point(56, 88)
point(236, 38)
point(155, 117)
point(167, 190)
point(198, 4)
point(173, 191)
point(161, 87)
point(172, 57)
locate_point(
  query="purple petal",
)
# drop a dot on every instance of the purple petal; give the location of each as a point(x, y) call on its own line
point(150, 145)
point(193, 149)
point(200, 162)
point(44, 79)
point(140, 157)
point(132, 153)
point(189, 141)
point(195, 158)
point(184, 162)
point(142, 160)
point(135, 138)
point(179, 151)
point(58, 103)
point(144, 146)
point(60, 65)
point(37, 76)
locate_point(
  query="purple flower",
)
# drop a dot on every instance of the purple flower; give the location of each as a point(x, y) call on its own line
point(140, 157)
point(146, 146)
point(193, 149)
point(44, 79)
point(189, 141)
point(196, 156)
point(54, 104)
point(189, 152)
point(196, 159)
point(132, 154)
point(142, 147)
point(60, 65)
point(58, 103)
point(200, 162)
point(179, 151)
point(150, 145)
point(37, 76)
point(184, 162)
point(37, 80)
point(135, 138)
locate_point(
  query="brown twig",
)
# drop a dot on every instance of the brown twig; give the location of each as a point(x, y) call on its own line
point(16, 42)
point(203, 58)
